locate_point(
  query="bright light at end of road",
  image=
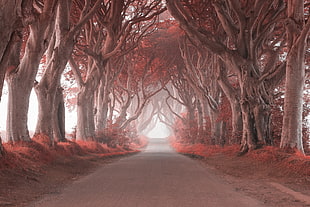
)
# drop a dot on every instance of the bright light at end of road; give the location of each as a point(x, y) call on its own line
point(160, 131)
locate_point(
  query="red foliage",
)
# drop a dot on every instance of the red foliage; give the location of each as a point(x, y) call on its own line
point(69, 148)
point(42, 139)
point(25, 155)
point(289, 162)
point(38, 152)
point(292, 162)
point(93, 147)
point(202, 149)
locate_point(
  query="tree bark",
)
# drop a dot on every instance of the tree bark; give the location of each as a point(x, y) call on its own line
point(2, 150)
point(59, 124)
point(297, 33)
point(216, 127)
point(102, 105)
point(200, 122)
point(17, 117)
point(46, 110)
point(11, 21)
point(85, 114)
point(233, 96)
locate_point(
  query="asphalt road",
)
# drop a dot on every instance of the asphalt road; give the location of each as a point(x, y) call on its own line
point(157, 177)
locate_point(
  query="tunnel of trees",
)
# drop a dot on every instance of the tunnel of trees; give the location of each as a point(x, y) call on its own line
point(217, 72)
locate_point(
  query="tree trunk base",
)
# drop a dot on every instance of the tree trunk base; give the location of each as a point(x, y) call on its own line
point(290, 150)
point(2, 150)
point(243, 150)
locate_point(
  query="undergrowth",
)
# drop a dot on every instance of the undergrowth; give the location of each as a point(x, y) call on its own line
point(38, 152)
point(292, 163)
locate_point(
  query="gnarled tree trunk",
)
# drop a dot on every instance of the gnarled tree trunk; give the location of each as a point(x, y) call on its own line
point(233, 96)
point(2, 150)
point(46, 90)
point(59, 124)
point(85, 113)
point(20, 81)
point(17, 117)
point(297, 32)
point(200, 121)
point(102, 105)
point(11, 24)
point(253, 106)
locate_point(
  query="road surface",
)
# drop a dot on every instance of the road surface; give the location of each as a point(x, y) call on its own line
point(156, 177)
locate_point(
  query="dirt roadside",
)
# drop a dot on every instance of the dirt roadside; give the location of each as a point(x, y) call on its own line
point(20, 187)
point(263, 181)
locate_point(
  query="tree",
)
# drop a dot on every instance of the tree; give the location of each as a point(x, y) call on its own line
point(60, 49)
point(297, 34)
point(199, 72)
point(232, 93)
point(150, 115)
point(188, 99)
point(20, 80)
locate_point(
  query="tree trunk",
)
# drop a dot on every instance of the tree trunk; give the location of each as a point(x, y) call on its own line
point(249, 136)
point(46, 89)
point(262, 116)
point(233, 96)
point(200, 122)
point(85, 129)
point(17, 117)
point(223, 135)
point(291, 137)
point(59, 124)
point(46, 98)
point(102, 106)
point(191, 124)
point(2, 150)
point(20, 82)
point(11, 22)
point(237, 124)
point(253, 107)
point(215, 127)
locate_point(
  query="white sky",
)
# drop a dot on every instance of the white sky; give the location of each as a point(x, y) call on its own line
point(159, 131)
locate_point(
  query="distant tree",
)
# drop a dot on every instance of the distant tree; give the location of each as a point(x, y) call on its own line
point(140, 82)
point(153, 113)
point(187, 98)
point(199, 71)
